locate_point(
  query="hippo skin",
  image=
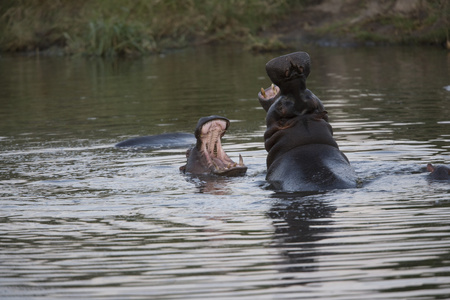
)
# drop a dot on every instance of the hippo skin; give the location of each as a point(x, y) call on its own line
point(439, 172)
point(159, 141)
point(302, 153)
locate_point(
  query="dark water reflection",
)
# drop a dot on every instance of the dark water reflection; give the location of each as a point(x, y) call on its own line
point(300, 221)
point(81, 219)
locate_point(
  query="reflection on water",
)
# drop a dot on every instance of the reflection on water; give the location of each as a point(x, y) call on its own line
point(81, 219)
point(299, 223)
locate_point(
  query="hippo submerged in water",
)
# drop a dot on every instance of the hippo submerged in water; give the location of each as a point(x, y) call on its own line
point(439, 172)
point(205, 157)
point(159, 141)
point(302, 153)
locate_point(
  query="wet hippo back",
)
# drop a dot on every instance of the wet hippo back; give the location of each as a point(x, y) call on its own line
point(301, 169)
point(303, 156)
point(160, 141)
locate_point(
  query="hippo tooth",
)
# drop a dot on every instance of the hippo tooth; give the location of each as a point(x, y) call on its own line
point(273, 88)
point(263, 92)
point(241, 161)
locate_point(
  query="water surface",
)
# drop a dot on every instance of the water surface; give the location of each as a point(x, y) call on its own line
point(81, 219)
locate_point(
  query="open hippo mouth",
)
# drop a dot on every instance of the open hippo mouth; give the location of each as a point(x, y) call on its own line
point(268, 96)
point(210, 134)
point(269, 93)
point(208, 155)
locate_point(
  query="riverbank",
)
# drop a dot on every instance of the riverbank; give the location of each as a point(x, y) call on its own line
point(353, 23)
point(125, 27)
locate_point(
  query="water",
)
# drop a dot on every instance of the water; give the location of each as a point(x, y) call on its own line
point(80, 219)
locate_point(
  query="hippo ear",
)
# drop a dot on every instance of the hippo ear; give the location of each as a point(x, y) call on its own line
point(430, 168)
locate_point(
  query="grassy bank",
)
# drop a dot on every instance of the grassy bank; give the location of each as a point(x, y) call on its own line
point(116, 27)
point(427, 24)
point(132, 27)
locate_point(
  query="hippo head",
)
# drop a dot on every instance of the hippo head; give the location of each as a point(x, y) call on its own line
point(288, 74)
point(438, 172)
point(208, 156)
point(290, 70)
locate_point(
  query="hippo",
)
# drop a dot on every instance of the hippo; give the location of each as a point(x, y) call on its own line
point(439, 172)
point(159, 141)
point(302, 153)
point(208, 156)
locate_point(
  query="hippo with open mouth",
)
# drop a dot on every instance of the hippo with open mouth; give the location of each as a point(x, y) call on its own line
point(208, 156)
point(302, 153)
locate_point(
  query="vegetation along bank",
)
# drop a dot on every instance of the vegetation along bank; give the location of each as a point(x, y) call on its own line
point(135, 27)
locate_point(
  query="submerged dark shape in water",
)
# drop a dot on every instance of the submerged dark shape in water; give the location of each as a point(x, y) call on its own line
point(439, 172)
point(208, 156)
point(159, 141)
point(302, 153)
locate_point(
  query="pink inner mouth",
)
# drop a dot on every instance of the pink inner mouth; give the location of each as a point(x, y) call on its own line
point(216, 157)
point(269, 92)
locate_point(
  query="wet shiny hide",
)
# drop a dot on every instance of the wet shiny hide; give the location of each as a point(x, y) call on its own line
point(302, 153)
point(159, 141)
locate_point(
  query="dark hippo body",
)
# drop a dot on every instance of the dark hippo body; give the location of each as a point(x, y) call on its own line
point(160, 141)
point(439, 172)
point(302, 153)
point(207, 156)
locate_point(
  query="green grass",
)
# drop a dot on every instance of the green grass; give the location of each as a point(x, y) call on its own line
point(120, 27)
point(135, 27)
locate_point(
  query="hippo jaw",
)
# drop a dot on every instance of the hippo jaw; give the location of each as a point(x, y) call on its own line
point(208, 156)
point(211, 148)
point(268, 96)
